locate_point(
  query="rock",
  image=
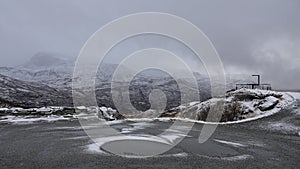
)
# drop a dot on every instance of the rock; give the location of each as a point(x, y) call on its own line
point(109, 114)
point(268, 103)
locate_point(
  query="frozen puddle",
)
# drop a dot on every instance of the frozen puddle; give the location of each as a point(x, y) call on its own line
point(133, 146)
point(136, 145)
point(142, 145)
point(94, 149)
point(136, 148)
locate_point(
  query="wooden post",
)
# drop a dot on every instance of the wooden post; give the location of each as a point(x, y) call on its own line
point(258, 79)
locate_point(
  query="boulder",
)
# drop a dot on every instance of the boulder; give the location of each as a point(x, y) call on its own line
point(268, 103)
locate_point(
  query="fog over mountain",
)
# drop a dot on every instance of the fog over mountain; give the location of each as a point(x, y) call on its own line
point(250, 36)
point(23, 85)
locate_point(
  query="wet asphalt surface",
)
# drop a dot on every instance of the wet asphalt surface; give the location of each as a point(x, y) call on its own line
point(271, 142)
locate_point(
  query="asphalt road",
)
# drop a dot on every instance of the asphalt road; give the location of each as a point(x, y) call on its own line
point(271, 142)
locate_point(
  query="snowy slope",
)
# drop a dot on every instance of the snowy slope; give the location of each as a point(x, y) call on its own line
point(46, 68)
point(14, 92)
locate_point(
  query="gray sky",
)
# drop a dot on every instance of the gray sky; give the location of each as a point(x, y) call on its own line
point(253, 36)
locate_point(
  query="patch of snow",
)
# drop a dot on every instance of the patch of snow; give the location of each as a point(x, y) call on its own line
point(30, 119)
point(136, 126)
point(94, 149)
point(231, 158)
point(172, 155)
point(114, 122)
point(255, 143)
point(234, 144)
point(104, 109)
point(237, 158)
point(44, 109)
point(16, 108)
point(296, 95)
point(172, 137)
point(193, 103)
point(76, 138)
point(23, 90)
point(81, 108)
point(283, 127)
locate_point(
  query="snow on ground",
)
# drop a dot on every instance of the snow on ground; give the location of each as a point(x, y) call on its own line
point(296, 95)
point(257, 112)
point(286, 100)
point(234, 144)
point(230, 158)
point(94, 149)
point(284, 127)
point(173, 136)
point(237, 158)
point(167, 138)
point(135, 127)
point(30, 119)
point(289, 124)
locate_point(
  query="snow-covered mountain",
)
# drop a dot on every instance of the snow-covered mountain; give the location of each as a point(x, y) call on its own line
point(46, 68)
point(47, 75)
point(52, 70)
point(30, 94)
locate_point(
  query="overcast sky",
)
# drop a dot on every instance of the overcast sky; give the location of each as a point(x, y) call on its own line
point(253, 36)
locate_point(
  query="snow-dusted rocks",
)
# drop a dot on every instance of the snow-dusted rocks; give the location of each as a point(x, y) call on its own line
point(34, 111)
point(65, 113)
point(109, 114)
point(268, 103)
point(239, 105)
point(250, 94)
